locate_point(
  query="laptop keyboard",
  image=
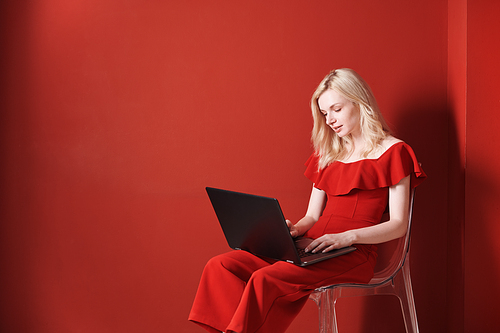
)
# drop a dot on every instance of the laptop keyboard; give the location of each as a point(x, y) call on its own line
point(303, 253)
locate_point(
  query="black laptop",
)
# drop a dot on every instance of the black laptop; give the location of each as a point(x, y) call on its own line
point(256, 224)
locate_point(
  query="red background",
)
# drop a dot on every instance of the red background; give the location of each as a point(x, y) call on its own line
point(116, 114)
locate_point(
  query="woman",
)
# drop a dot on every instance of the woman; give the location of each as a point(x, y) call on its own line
point(357, 169)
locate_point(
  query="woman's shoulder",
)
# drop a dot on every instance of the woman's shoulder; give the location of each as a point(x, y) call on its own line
point(389, 141)
point(385, 145)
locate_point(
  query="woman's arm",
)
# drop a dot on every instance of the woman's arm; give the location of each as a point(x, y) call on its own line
point(314, 210)
point(399, 198)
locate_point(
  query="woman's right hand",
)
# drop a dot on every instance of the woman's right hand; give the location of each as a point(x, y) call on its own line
point(294, 232)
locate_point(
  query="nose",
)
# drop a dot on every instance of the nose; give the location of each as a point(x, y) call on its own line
point(330, 119)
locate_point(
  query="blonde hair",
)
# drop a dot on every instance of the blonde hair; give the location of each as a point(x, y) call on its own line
point(330, 147)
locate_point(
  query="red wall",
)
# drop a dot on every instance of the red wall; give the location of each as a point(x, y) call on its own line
point(473, 251)
point(482, 249)
point(116, 115)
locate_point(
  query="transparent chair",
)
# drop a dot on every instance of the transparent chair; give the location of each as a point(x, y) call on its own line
point(392, 277)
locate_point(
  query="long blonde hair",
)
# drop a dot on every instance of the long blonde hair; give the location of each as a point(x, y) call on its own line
point(374, 129)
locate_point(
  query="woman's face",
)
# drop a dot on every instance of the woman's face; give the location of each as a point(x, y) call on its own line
point(340, 113)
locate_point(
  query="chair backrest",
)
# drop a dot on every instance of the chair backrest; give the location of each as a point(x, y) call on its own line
point(392, 254)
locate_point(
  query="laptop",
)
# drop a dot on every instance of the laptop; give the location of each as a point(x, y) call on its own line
point(256, 224)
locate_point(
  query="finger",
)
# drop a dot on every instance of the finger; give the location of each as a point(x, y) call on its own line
point(329, 248)
point(291, 228)
point(320, 247)
point(310, 247)
point(324, 245)
point(314, 246)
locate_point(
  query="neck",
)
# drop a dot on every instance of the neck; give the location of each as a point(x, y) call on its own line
point(358, 142)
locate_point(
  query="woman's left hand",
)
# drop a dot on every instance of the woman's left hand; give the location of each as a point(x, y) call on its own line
point(330, 242)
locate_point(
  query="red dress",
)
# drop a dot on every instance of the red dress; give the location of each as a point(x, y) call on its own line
point(240, 292)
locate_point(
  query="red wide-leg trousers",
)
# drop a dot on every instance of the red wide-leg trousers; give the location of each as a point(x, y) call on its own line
point(242, 293)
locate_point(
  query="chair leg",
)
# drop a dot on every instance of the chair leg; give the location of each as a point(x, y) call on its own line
point(325, 300)
point(402, 283)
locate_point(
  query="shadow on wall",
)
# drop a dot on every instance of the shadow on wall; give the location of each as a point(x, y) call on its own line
point(481, 257)
point(17, 231)
point(455, 230)
point(424, 128)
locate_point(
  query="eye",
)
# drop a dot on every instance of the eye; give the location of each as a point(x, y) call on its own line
point(338, 110)
point(324, 114)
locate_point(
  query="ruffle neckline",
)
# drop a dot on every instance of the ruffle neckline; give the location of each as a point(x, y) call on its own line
point(340, 178)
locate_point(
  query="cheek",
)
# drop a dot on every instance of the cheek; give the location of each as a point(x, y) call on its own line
point(355, 117)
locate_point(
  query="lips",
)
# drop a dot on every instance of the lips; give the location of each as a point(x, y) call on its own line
point(337, 128)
